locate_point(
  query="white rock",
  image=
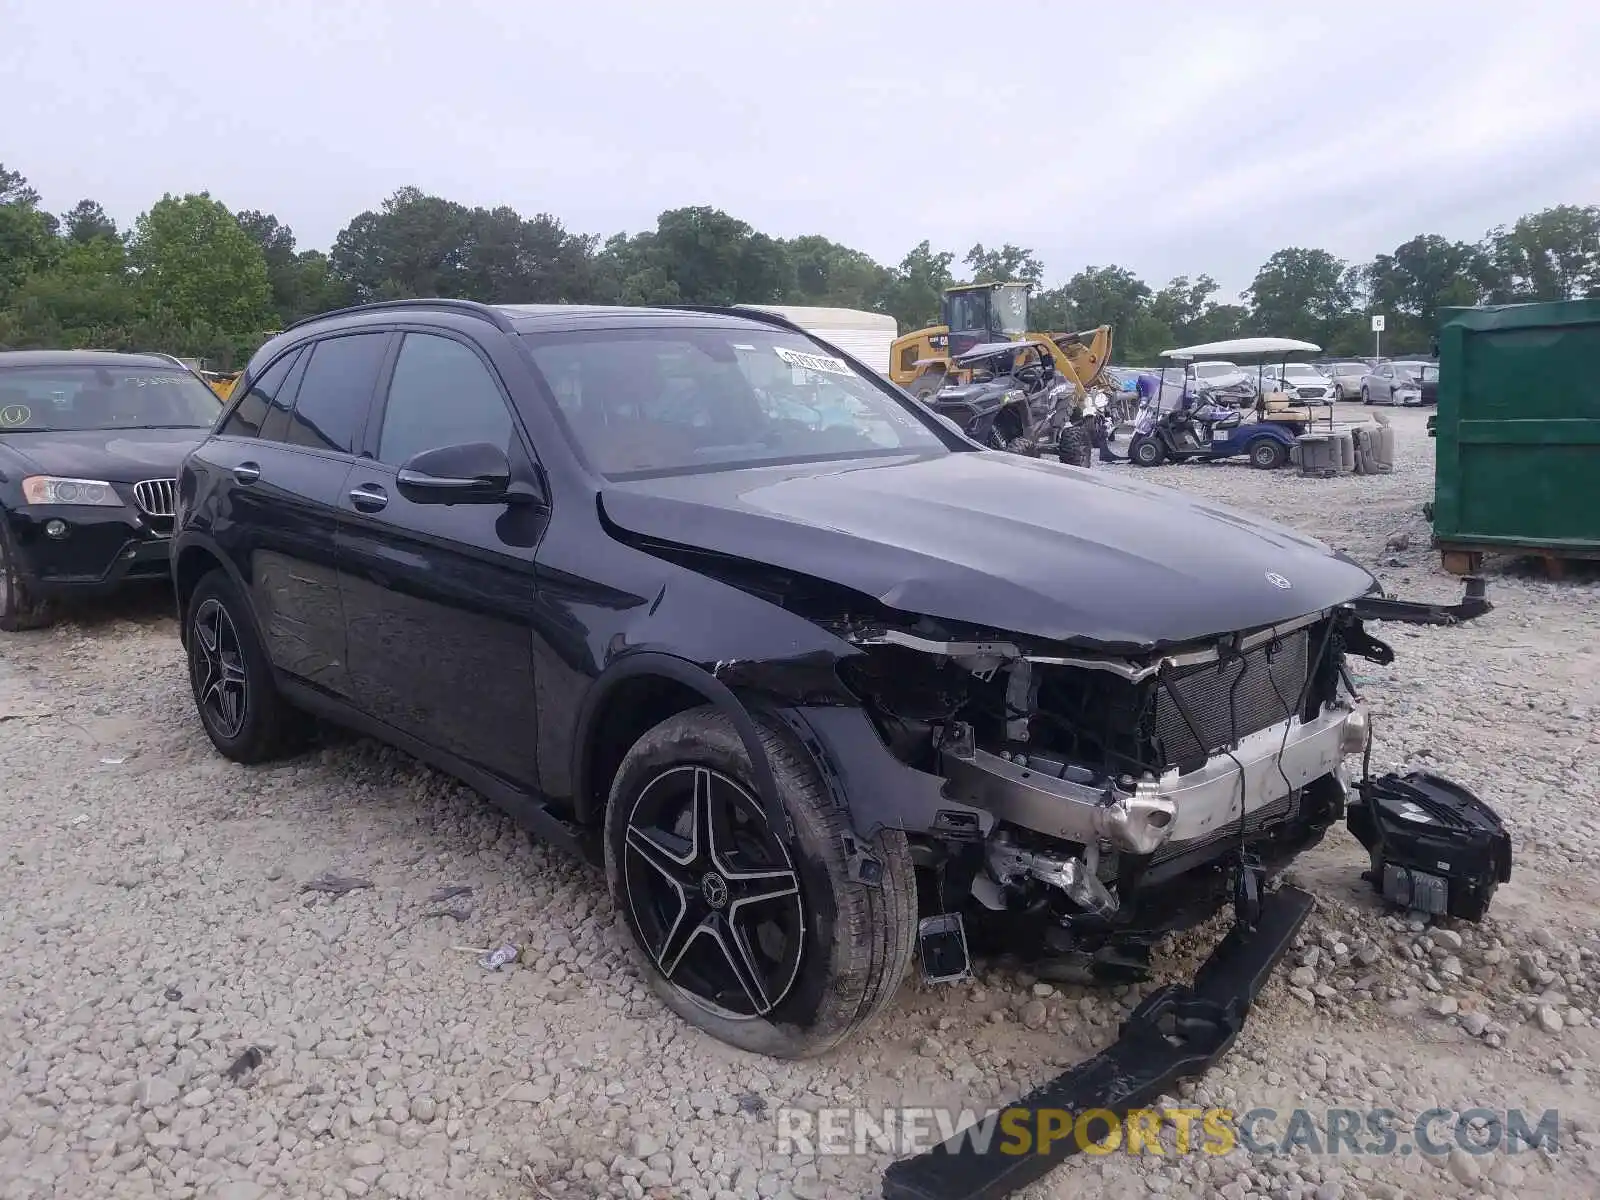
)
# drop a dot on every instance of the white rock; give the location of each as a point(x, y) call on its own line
point(157, 1092)
point(365, 1154)
point(1463, 1167)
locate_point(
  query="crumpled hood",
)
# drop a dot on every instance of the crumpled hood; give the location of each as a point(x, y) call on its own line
point(115, 455)
point(1006, 543)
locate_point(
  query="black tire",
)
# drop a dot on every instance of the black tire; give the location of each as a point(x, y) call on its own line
point(231, 679)
point(825, 961)
point(1146, 451)
point(1023, 446)
point(20, 608)
point(1366, 396)
point(1268, 454)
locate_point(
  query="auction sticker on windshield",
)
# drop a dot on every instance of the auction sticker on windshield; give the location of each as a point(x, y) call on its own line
point(813, 362)
point(14, 414)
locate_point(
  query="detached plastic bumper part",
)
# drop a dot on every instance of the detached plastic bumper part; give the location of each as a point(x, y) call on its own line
point(1176, 1032)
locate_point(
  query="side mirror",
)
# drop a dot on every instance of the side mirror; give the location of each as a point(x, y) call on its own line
point(473, 473)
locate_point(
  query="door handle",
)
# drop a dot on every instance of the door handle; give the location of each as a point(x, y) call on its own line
point(369, 497)
point(247, 472)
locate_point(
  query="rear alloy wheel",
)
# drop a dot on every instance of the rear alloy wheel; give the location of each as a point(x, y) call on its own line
point(1268, 454)
point(19, 608)
point(231, 679)
point(762, 942)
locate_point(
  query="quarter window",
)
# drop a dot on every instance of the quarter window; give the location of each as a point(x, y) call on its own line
point(247, 416)
point(330, 408)
point(441, 395)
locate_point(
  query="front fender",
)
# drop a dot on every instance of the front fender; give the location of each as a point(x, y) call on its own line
point(691, 675)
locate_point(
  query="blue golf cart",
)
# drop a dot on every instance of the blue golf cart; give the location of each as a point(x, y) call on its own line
point(1185, 419)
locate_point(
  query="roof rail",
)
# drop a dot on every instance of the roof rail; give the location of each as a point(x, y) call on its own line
point(733, 310)
point(471, 308)
point(171, 358)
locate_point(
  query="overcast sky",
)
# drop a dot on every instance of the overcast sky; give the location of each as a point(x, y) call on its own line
point(1166, 137)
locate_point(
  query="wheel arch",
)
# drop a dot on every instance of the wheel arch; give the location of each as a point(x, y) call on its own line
point(194, 560)
point(635, 694)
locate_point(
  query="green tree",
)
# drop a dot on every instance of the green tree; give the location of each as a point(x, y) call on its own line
point(1216, 323)
point(828, 273)
point(86, 221)
point(422, 245)
point(1301, 293)
point(627, 273)
point(1548, 255)
point(1423, 275)
point(917, 288)
point(413, 245)
point(28, 240)
point(198, 269)
point(1007, 264)
point(1182, 303)
point(696, 255)
point(84, 298)
point(511, 259)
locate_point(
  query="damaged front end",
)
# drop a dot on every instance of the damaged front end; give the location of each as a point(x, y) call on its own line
point(1123, 797)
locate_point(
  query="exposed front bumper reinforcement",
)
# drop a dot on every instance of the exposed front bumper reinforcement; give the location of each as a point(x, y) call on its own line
point(1176, 1032)
point(1175, 808)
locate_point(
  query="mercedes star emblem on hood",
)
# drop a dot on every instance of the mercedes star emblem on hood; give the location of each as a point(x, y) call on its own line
point(1278, 581)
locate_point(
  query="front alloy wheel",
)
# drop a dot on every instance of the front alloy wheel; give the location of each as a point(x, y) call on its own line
point(713, 893)
point(766, 940)
point(216, 665)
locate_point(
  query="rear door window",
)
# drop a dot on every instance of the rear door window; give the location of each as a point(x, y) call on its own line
point(248, 415)
point(330, 407)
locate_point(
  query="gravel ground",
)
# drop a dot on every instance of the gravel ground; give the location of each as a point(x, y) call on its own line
point(155, 913)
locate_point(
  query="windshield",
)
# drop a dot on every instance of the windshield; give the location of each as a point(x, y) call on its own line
point(1302, 371)
point(1011, 308)
point(1416, 370)
point(661, 401)
point(1351, 368)
point(1215, 370)
point(69, 397)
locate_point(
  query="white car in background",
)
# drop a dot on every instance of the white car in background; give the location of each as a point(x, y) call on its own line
point(1225, 380)
point(1303, 383)
point(1398, 383)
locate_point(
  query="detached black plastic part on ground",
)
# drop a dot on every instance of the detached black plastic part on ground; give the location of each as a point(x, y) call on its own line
point(1176, 1032)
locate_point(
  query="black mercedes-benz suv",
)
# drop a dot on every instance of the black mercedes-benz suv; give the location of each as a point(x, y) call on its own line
point(818, 679)
point(90, 443)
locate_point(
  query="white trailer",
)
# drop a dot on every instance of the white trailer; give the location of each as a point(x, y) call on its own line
point(866, 335)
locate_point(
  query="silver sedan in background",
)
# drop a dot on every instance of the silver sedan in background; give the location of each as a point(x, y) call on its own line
point(1347, 377)
point(1398, 383)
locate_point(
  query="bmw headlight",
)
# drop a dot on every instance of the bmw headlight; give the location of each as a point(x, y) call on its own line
point(52, 489)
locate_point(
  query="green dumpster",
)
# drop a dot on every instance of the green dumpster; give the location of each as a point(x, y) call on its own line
point(1517, 433)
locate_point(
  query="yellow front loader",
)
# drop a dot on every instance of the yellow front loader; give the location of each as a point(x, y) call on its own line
point(975, 313)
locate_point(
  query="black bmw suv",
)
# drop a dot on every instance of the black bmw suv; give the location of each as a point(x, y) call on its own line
point(90, 443)
point(818, 679)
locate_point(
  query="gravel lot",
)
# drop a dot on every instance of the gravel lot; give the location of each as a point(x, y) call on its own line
point(156, 925)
